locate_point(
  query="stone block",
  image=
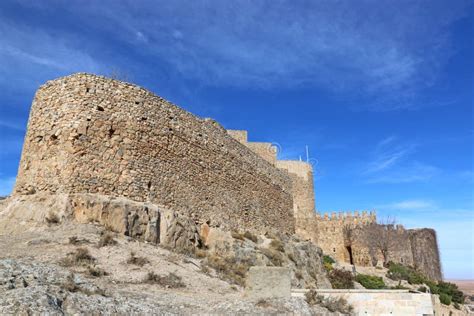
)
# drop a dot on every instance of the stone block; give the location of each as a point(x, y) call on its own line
point(268, 282)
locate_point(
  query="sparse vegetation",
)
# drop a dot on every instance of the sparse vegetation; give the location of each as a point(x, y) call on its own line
point(237, 235)
point(96, 271)
point(328, 262)
point(370, 281)
point(277, 245)
point(80, 257)
point(200, 253)
point(332, 304)
point(70, 285)
point(251, 236)
point(398, 271)
point(107, 239)
point(171, 280)
point(341, 279)
point(273, 255)
point(138, 261)
point(74, 240)
point(229, 268)
point(262, 303)
point(449, 291)
point(52, 218)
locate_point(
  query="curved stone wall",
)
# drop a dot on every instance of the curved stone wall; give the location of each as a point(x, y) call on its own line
point(90, 134)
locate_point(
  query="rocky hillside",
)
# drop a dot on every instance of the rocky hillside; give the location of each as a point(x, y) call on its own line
point(64, 267)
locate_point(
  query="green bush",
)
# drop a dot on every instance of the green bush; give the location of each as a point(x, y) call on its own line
point(341, 279)
point(327, 263)
point(445, 299)
point(328, 259)
point(370, 281)
point(422, 289)
point(452, 290)
point(446, 290)
point(399, 272)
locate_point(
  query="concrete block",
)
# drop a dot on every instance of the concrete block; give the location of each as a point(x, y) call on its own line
point(268, 282)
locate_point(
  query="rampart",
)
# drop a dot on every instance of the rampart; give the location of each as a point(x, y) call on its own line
point(426, 258)
point(90, 134)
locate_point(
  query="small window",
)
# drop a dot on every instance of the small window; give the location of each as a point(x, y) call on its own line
point(334, 249)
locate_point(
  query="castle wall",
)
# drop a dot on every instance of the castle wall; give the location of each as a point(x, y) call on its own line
point(425, 251)
point(301, 174)
point(264, 150)
point(331, 236)
point(89, 134)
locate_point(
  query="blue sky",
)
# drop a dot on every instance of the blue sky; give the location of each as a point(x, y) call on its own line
point(380, 91)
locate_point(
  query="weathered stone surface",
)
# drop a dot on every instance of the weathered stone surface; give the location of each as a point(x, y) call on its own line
point(268, 282)
point(139, 220)
point(302, 258)
point(90, 134)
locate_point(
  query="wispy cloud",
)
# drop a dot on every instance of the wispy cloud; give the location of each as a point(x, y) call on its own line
point(410, 205)
point(345, 47)
point(13, 125)
point(31, 56)
point(391, 162)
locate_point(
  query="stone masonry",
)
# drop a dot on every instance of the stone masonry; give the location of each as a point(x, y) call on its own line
point(93, 135)
point(90, 134)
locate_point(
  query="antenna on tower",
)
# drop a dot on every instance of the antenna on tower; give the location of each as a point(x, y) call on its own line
point(307, 154)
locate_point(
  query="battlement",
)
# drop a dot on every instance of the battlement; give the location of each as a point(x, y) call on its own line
point(348, 216)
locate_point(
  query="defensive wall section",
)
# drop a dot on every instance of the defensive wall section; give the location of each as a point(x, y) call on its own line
point(90, 134)
point(424, 246)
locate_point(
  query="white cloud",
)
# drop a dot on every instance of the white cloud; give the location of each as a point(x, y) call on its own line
point(410, 205)
point(339, 46)
point(31, 56)
point(391, 162)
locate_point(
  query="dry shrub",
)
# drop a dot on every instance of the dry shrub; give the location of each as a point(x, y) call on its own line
point(338, 305)
point(171, 280)
point(138, 261)
point(273, 255)
point(200, 253)
point(205, 269)
point(298, 274)
point(107, 239)
point(229, 268)
point(80, 257)
point(237, 235)
point(262, 303)
point(96, 271)
point(70, 285)
point(341, 279)
point(251, 236)
point(291, 256)
point(332, 304)
point(52, 218)
point(74, 240)
point(277, 245)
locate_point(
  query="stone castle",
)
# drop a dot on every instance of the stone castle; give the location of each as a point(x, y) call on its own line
point(90, 135)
